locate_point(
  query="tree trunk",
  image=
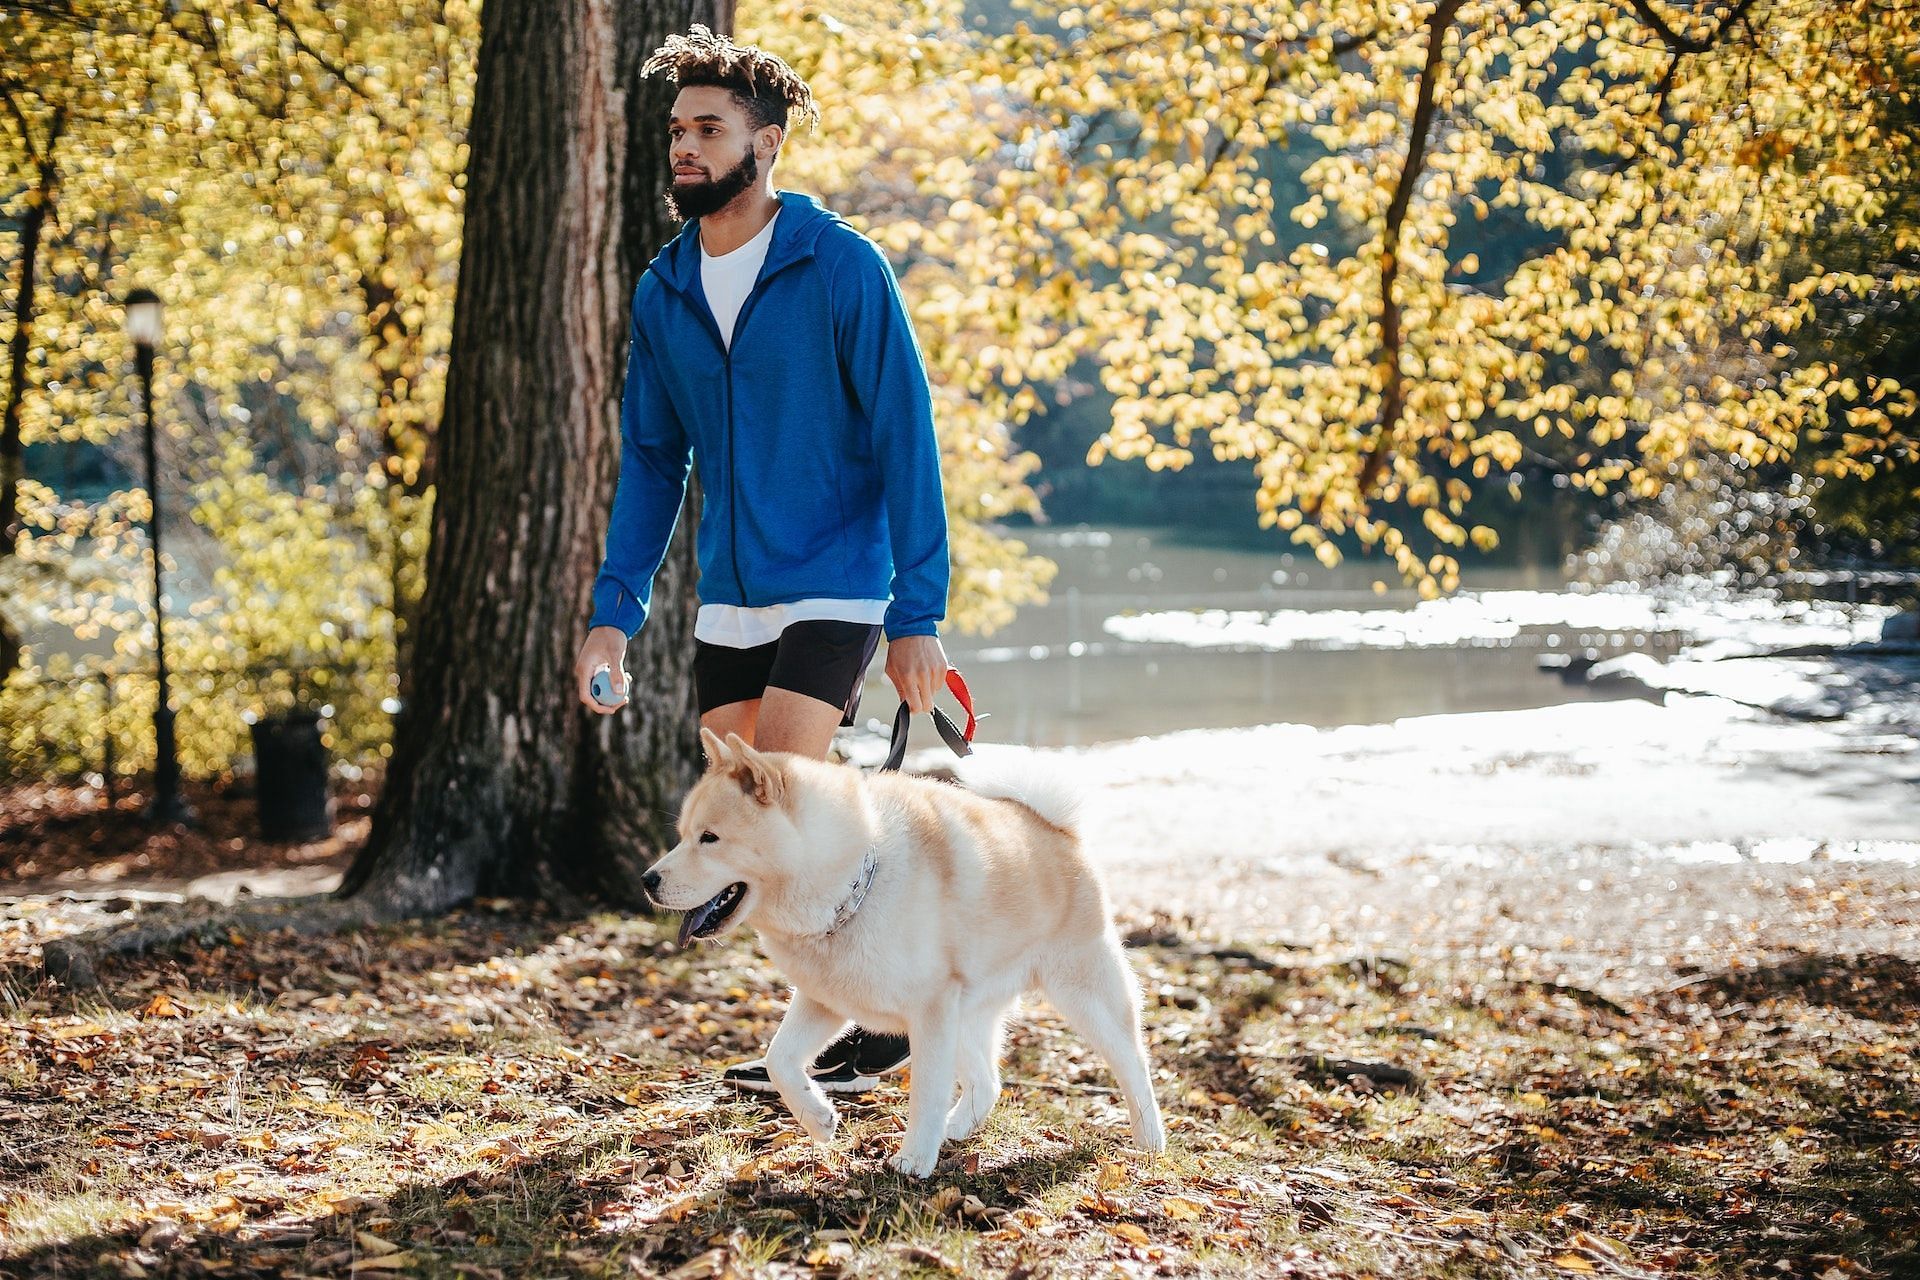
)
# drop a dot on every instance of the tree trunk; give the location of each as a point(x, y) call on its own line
point(12, 452)
point(394, 341)
point(500, 782)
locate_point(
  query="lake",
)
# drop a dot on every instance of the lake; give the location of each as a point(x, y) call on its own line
point(1061, 675)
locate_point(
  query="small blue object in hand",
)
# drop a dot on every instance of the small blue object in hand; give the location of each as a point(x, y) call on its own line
point(602, 687)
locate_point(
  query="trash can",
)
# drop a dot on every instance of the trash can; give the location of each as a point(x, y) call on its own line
point(290, 777)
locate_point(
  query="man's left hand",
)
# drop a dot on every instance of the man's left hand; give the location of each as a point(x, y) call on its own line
point(917, 665)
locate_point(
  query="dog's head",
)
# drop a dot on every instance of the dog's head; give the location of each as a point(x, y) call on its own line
point(735, 835)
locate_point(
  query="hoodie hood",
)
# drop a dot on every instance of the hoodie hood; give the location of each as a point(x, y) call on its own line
point(802, 219)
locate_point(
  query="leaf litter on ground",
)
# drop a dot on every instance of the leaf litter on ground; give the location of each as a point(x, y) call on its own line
point(505, 1089)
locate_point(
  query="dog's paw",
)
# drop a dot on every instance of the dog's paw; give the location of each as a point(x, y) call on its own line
point(1149, 1136)
point(819, 1119)
point(915, 1164)
point(962, 1123)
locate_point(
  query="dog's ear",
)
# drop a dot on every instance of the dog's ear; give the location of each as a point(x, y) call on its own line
point(760, 776)
point(718, 757)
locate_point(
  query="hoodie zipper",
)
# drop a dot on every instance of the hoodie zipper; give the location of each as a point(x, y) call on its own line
point(733, 504)
point(733, 489)
point(705, 313)
point(726, 354)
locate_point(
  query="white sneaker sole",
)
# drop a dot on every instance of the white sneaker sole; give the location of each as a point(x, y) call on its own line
point(760, 1083)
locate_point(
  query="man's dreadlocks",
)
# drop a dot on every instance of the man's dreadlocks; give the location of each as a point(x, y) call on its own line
point(767, 86)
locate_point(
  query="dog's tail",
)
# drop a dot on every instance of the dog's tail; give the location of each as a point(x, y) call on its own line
point(1033, 779)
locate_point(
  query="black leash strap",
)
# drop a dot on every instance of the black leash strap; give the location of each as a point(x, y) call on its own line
point(961, 741)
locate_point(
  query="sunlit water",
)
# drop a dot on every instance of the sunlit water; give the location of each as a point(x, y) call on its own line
point(1145, 635)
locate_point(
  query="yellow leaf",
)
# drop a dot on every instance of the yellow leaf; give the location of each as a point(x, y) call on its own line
point(386, 1262)
point(1113, 1175)
point(1573, 1262)
point(162, 1006)
point(83, 1029)
point(1129, 1232)
point(1181, 1210)
point(1599, 1244)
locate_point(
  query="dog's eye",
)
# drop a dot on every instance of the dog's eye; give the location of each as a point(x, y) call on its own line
point(707, 837)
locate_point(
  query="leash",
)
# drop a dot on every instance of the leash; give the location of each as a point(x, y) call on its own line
point(958, 739)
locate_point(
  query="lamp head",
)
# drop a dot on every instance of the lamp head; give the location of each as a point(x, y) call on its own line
point(143, 317)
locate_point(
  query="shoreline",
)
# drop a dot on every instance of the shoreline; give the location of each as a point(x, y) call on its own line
point(1617, 842)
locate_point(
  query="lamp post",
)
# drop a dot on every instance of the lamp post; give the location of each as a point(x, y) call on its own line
point(143, 326)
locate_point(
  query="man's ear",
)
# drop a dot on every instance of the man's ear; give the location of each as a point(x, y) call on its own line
point(779, 136)
point(760, 776)
point(718, 757)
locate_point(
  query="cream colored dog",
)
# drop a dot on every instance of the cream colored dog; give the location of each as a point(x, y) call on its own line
point(906, 905)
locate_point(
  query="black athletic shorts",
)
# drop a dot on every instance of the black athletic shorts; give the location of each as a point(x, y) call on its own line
point(823, 658)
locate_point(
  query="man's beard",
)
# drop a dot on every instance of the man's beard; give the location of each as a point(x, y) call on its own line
point(698, 199)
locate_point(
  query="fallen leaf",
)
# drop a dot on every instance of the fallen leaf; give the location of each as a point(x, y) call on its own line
point(376, 1245)
point(1598, 1244)
point(75, 1032)
point(1129, 1232)
point(1180, 1210)
point(162, 1006)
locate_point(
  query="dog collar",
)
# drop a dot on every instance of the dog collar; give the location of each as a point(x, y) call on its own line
point(861, 883)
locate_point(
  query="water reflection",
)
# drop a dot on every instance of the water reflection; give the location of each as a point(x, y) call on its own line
point(1056, 677)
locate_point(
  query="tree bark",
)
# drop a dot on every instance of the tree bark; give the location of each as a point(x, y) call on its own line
point(12, 452)
point(500, 782)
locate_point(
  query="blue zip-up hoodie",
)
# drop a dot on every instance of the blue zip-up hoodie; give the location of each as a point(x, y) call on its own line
point(819, 469)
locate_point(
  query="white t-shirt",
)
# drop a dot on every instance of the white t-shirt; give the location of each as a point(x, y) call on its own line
point(727, 280)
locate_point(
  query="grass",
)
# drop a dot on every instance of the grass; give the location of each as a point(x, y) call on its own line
point(504, 1094)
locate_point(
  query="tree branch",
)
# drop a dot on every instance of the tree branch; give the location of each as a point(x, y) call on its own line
point(300, 42)
point(1679, 41)
point(332, 67)
point(7, 90)
point(1393, 391)
point(52, 10)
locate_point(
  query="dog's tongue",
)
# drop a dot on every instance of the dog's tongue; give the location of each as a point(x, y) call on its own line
point(694, 919)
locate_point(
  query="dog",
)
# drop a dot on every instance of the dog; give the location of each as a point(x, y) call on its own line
point(907, 905)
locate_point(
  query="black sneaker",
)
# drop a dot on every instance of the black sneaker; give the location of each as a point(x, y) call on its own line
point(852, 1064)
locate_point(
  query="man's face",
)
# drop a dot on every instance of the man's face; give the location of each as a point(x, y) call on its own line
point(713, 151)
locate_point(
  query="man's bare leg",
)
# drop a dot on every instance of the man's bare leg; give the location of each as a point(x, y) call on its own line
point(794, 722)
point(735, 717)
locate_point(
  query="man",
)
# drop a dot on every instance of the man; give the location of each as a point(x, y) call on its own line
point(771, 347)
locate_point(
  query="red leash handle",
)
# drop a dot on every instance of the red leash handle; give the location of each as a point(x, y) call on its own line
point(960, 741)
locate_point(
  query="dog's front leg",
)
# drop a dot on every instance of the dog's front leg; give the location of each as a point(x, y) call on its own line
point(934, 1035)
point(808, 1028)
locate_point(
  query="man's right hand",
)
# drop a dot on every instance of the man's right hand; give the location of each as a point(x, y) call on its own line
point(603, 647)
